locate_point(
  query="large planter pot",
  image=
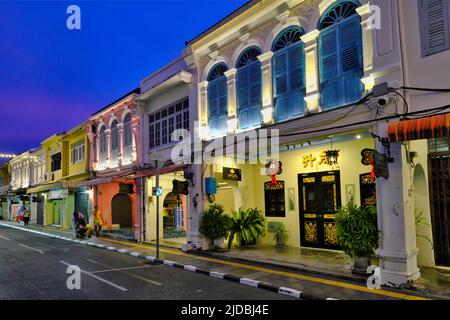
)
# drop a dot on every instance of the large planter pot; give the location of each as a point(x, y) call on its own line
point(360, 265)
point(219, 244)
point(280, 242)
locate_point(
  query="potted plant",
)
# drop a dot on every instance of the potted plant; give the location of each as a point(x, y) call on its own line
point(247, 226)
point(357, 234)
point(280, 234)
point(214, 225)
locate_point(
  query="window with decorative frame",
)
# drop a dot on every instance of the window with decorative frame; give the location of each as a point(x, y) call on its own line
point(164, 122)
point(103, 144)
point(115, 141)
point(340, 55)
point(77, 151)
point(289, 74)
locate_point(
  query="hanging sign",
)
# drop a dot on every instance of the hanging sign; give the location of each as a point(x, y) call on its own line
point(381, 167)
point(232, 174)
point(274, 199)
point(180, 187)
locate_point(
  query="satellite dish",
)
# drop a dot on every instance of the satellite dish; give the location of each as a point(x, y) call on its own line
point(157, 160)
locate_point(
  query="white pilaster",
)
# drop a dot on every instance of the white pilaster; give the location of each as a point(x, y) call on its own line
point(267, 87)
point(366, 24)
point(232, 100)
point(311, 72)
point(396, 223)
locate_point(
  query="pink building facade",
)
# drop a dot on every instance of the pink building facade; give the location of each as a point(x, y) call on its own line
point(114, 137)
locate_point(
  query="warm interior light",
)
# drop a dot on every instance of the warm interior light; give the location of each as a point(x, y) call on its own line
point(332, 156)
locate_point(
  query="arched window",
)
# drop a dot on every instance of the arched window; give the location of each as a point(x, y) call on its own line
point(249, 88)
point(217, 100)
point(103, 144)
point(289, 74)
point(340, 55)
point(115, 140)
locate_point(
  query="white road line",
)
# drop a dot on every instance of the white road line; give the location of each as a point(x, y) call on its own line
point(127, 273)
point(30, 248)
point(3, 237)
point(90, 274)
point(121, 269)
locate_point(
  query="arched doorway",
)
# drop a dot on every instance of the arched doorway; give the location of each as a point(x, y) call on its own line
point(174, 214)
point(121, 210)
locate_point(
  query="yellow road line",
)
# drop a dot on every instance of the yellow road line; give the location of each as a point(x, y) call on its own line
point(281, 273)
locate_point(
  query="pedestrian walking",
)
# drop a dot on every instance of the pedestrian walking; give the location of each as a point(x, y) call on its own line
point(26, 216)
point(98, 221)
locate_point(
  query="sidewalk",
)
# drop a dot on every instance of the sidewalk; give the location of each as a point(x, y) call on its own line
point(318, 286)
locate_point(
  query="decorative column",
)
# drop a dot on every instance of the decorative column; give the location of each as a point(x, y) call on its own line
point(93, 152)
point(267, 87)
point(232, 121)
point(395, 210)
point(367, 25)
point(203, 108)
point(311, 72)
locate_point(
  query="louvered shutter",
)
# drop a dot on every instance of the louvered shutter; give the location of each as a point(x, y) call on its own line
point(434, 26)
point(329, 66)
point(296, 62)
point(351, 65)
point(280, 66)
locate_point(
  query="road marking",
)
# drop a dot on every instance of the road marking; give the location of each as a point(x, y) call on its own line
point(334, 283)
point(265, 270)
point(3, 237)
point(90, 274)
point(127, 273)
point(30, 248)
point(121, 269)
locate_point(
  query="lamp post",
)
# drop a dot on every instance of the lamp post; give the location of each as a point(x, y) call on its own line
point(157, 160)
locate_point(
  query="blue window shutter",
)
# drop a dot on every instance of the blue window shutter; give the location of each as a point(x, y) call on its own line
point(296, 66)
point(249, 95)
point(212, 99)
point(223, 96)
point(434, 26)
point(351, 60)
point(329, 67)
point(280, 73)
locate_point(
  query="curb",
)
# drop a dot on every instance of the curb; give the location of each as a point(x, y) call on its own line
point(218, 275)
point(291, 268)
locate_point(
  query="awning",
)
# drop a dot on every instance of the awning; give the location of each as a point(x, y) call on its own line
point(4, 189)
point(424, 128)
point(91, 183)
point(46, 187)
point(166, 169)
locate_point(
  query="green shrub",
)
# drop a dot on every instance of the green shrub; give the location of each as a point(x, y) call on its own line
point(214, 223)
point(247, 225)
point(280, 232)
point(356, 230)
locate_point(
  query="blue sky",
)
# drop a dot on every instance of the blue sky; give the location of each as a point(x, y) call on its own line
point(53, 78)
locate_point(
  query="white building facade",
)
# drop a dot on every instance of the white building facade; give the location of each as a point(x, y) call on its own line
point(308, 69)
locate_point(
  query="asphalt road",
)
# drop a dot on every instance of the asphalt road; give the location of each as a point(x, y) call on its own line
point(34, 267)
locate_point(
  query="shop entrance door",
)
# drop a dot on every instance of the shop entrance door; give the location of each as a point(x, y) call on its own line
point(439, 173)
point(56, 204)
point(81, 203)
point(319, 196)
point(40, 213)
point(121, 210)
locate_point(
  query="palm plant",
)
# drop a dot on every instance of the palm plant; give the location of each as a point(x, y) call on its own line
point(214, 223)
point(247, 226)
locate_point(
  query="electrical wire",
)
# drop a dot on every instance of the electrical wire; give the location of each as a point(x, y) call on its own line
point(406, 111)
point(425, 89)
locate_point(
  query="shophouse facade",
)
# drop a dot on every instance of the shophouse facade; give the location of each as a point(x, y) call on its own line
point(114, 138)
point(75, 170)
point(165, 103)
point(38, 176)
point(20, 168)
point(308, 69)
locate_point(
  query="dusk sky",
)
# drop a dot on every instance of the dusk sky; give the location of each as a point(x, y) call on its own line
point(53, 78)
